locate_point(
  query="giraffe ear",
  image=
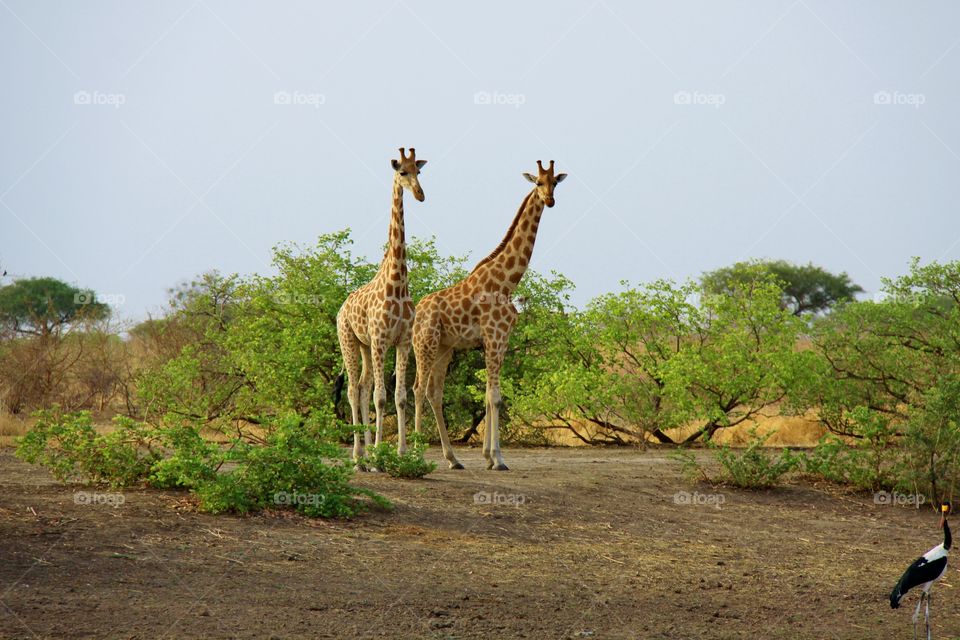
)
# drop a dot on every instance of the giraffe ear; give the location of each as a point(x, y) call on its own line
point(530, 178)
point(420, 163)
point(395, 164)
point(560, 177)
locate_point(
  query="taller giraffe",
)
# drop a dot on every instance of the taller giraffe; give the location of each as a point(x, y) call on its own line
point(478, 311)
point(379, 315)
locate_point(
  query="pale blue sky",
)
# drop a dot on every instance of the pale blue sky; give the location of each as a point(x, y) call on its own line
point(695, 133)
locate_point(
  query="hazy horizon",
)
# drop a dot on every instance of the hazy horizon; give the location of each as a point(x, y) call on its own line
point(146, 144)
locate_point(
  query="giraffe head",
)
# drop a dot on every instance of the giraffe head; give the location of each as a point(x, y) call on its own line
point(546, 181)
point(408, 168)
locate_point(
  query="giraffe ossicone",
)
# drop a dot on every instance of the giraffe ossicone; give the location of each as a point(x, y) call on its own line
point(479, 311)
point(379, 315)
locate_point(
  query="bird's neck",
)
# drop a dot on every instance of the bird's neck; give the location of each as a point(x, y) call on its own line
point(947, 538)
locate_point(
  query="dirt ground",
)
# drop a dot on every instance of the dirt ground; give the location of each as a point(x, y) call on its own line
point(571, 543)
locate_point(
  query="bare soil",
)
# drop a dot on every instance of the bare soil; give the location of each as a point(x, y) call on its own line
point(576, 543)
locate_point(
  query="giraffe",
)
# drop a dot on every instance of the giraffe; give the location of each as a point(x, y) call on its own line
point(379, 315)
point(478, 311)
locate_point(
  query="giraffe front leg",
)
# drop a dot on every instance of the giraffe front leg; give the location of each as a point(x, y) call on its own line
point(400, 397)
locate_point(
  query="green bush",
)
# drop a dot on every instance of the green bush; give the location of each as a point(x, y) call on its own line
point(69, 445)
point(874, 462)
point(299, 465)
point(411, 464)
point(755, 467)
point(193, 461)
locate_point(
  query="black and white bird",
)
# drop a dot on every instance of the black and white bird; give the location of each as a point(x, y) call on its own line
point(925, 570)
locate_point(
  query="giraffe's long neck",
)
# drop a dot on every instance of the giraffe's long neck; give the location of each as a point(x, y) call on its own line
point(509, 261)
point(394, 265)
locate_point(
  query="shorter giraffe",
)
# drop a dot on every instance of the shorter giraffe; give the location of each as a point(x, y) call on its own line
point(379, 315)
point(478, 311)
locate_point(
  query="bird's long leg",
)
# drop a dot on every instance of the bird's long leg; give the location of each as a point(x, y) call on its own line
point(916, 614)
point(927, 615)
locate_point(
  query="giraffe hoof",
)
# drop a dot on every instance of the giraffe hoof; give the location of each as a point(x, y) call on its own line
point(499, 467)
point(456, 465)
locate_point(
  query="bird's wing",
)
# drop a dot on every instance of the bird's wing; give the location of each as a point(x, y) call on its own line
point(922, 571)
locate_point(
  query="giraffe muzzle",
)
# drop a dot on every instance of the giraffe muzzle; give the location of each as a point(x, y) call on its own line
point(418, 194)
point(549, 202)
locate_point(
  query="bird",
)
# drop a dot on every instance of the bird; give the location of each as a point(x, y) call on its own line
point(924, 571)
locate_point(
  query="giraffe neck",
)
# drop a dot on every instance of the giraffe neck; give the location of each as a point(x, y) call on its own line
point(394, 264)
point(509, 261)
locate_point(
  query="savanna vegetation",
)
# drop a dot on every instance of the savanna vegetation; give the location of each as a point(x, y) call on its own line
point(231, 392)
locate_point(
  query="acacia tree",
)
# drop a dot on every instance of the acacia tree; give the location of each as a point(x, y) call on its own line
point(890, 375)
point(806, 289)
point(37, 353)
point(652, 358)
point(45, 306)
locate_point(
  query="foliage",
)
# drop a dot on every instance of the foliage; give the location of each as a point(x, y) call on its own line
point(894, 362)
point(300, 463)
point(755, 467)
point(651, 358)
point(411, 464)
point(68, 444)
point(300, 466)
point(750, 467)
point(805, 289)
point(43, 306)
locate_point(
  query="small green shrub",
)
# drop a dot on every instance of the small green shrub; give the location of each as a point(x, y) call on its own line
point(192, 463)
point(411, 464)
point(755, 467)
point(69, 445)
point(875, 462)
point(299, 465)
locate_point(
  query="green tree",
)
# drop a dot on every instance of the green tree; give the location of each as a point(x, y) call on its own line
point(650, 358)
point(44, 306)
point(891, 366)
point(806, 289)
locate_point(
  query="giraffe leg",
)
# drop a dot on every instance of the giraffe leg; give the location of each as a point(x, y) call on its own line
point(350, 349)
point(400, 396)
point(435, 395)
point(366, 385)
point(494, 358)
point(378, 351)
